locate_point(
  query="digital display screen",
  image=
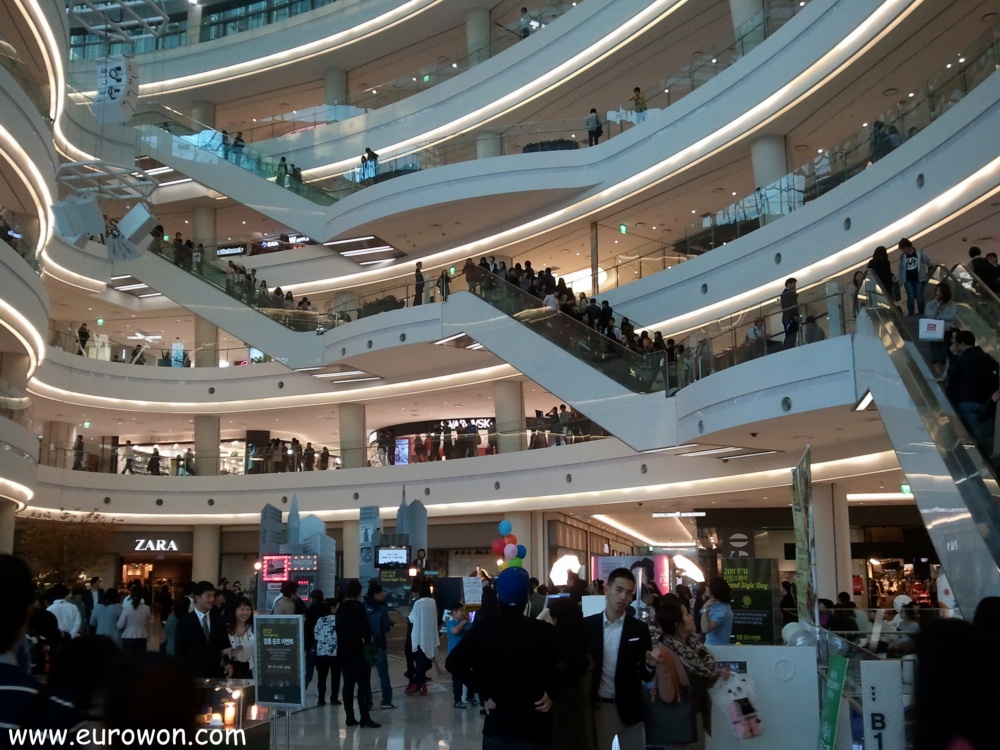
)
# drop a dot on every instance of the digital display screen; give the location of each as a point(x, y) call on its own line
point(388, 556)
point(276, 568)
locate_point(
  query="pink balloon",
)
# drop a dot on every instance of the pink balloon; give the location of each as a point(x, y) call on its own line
point(510, 552)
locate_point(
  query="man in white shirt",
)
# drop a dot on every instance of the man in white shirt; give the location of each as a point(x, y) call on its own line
point(129, 455)
point(620, 647)
point(67, 614)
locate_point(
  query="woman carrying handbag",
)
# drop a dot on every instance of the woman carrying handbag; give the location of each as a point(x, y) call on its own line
point(696, 673)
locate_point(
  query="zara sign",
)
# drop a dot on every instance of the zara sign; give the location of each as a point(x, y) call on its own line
point(155, 545)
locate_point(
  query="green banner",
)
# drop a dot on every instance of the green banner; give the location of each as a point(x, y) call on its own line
point(280, 665)
point(833, 693)
point(805, 540)
point(754, 585)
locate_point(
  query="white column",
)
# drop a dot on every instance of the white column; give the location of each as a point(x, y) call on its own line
point(206, 343)
point(206, 445)
point(508, 405)
point(7, 510)
point(833, 540)
point(57, 442)
point(352, 550)
point(334, 86)
point(203, 112)
point(595, 281)
point(748, 22)
point(204, 226)
point(538, 549)
point(353, 444)
point(205, 550)
point(769, 159)
point(193, 25)
point(488, 145)
point(834, 310)
point(14, 369)
point(477, 35)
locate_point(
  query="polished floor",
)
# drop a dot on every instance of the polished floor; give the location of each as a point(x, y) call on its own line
point(417, 723)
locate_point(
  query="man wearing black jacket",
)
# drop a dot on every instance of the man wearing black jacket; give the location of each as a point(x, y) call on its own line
point(517, 665)
point(202, 640)
point(352, 635)
point(620, 648)
point(973, 378)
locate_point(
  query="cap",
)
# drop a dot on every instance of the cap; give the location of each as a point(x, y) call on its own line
point(512, 587)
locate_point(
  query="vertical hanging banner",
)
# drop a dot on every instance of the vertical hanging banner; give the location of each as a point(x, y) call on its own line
point(882, 702)
point(117, 90)
point(805, 539)
point(833, 694)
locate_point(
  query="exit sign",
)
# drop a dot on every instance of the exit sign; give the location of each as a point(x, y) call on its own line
point(623, 229)
point(905, 489)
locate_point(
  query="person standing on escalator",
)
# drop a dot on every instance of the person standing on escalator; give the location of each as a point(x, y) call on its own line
point(973, 381)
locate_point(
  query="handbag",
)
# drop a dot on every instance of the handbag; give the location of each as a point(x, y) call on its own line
point(669, 723)
point(931, 329)
point(370, 653)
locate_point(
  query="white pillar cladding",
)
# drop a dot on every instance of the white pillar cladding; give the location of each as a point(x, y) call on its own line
point(748, 22)
point(203, 111)
point(206, 552)
point(833, 540)
point(769, 158)
point(508, 405)
point(353, 438)
point(194, 26)
point(206, 343)
point(334, 86)
point(477, 35)
point(7, 517)
point(14, 369)
point(488, 145)
point(352, 550)
point(206, 445)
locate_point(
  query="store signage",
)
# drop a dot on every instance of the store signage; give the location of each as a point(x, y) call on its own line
point(226, 250)
point(280, 665)
point(270, 244)
point(754, 584)
point(483, 423)
point(155, 545)
point(299, 239)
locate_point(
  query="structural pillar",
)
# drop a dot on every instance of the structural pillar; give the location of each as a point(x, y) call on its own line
point(206, 343)
point(206, 445)
point(353, 443)
point(508, 405)
point(206, 553)
point(194, 26)
point(488, 145)
point(522, 523)
point(334, 86)
point(594, 267)
point(204, 226)
point(352, 550)
point(833, 540)
point(7, 516)
point(748, 23)
point(57, 445)
point(477, 35)
point(203, 112)
point(14, 369)
point(769, 158)
point(834, 310)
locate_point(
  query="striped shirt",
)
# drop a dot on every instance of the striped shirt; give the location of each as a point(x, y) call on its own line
point(23, 705)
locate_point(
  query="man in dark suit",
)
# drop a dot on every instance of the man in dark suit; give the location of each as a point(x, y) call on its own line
point(620, 647)
point(202, 640)
point(93, 597)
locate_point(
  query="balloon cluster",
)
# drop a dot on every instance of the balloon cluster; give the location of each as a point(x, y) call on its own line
point(506, 546)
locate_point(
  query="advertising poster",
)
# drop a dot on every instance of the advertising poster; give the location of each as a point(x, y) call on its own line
point(396, 583)
point(646, 568)
point(280, 666)
point(805, 540)
point(754, 584)
point(833, 693)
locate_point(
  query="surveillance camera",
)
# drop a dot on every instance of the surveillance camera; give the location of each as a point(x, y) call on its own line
point(753, 434)
point(640, 505)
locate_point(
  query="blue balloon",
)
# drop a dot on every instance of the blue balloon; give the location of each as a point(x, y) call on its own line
point(505, 528)
point(522, 551)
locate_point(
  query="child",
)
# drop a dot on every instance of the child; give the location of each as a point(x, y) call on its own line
point(458, 626)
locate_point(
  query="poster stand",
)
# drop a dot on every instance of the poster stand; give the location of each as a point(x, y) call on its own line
point(280, 669)
point(280, 714)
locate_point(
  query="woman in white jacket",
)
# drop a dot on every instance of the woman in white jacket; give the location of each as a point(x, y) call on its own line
point(424, 639)
point(134, 623)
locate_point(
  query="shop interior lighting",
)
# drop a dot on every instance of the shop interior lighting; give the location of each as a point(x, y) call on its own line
point(681, 514)
point(747, 455)
point(711, 452)
point(879, 496)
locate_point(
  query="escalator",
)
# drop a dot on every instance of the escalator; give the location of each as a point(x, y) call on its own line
point(288, 336)
point(953, 479)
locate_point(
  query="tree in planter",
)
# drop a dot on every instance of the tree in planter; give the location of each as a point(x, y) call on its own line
point(66, 548)
point(379, 305)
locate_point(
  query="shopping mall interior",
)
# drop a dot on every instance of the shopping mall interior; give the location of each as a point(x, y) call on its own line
point(357, 181)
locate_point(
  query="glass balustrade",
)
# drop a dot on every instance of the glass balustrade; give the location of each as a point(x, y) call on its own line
point(21, 243)
point(15, 405)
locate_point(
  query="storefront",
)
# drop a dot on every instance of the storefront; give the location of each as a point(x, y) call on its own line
point(153, 558)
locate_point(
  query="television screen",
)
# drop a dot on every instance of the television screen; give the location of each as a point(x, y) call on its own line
point(390, 556)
